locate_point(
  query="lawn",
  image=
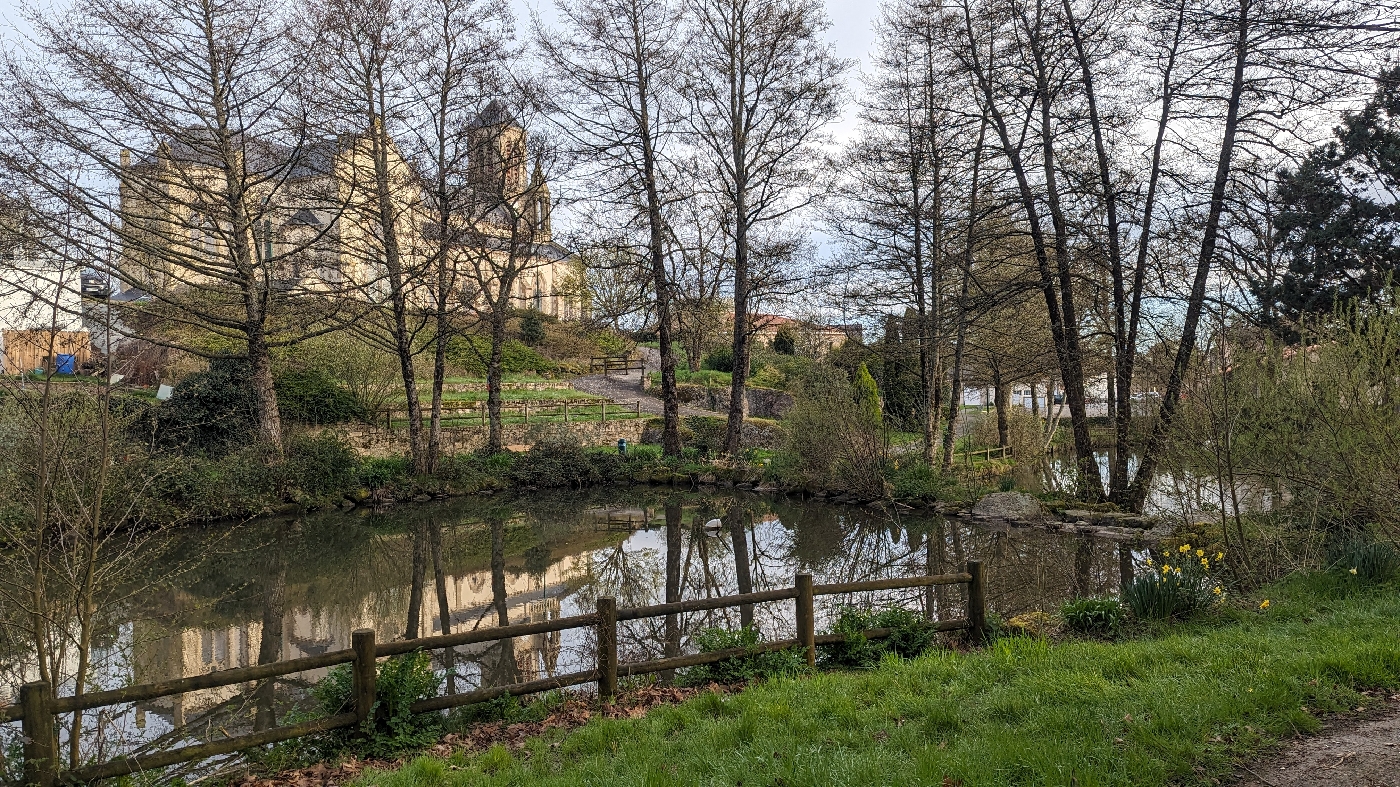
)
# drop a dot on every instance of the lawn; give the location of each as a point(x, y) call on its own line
point(507, 395)
point(1180, 706)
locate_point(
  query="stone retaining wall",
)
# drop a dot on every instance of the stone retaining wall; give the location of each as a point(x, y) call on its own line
point(375, 441)
point(763, 402)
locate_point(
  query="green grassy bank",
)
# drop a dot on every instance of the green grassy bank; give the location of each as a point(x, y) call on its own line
point(1180, 705)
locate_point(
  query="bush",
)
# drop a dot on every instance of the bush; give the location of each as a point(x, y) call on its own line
point(785, 342)
point(829, 444)
point(1096, 617)
point(321, 465)
point(556, 459)
point(210, 413)
point(532, 328)
point(1023, 432)
point(1368, 561)
point(392, 728)
point(471, 353)
point(707, 433)
point(311, 396)
point(741, 669)
point(720, 359)
point(910, 635)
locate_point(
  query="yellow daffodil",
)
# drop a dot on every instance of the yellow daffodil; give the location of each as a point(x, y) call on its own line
point(1205, 563)
point(1353, 571)
point(1176, 571)
point(1184, 548)
point(1150, 563)
point(1264, 604)
point(1218, 590)
point(1219, 555)
point(1200, 553)
point(1166, 570)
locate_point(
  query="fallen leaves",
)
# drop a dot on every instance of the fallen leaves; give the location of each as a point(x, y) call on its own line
point(575, 711)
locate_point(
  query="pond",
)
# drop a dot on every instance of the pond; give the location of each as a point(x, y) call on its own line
point(228, 596)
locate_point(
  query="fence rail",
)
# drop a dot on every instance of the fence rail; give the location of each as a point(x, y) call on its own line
point(987, 454)
point(607, 364)
point(570, 410)
point(38, 709)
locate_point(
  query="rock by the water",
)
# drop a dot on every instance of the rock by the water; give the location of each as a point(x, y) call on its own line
point(1009, 505)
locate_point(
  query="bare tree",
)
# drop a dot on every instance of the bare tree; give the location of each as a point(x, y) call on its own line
point(169, 127)
point(761, 85)
point(618, 62)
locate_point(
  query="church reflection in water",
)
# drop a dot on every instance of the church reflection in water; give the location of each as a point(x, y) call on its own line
point(285, 589)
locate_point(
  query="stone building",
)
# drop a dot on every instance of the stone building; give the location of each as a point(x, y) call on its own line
point(318, 212)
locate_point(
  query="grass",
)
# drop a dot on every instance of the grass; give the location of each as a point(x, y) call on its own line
point(508, 395)
point(1178, 707)
point(703, 377)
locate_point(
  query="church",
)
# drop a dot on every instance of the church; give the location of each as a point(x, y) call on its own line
point(318, 211)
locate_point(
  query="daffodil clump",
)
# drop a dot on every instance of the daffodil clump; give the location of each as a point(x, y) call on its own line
point(1178, 582)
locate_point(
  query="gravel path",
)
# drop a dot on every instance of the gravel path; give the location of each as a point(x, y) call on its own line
point(1346, 754)
point(627, 388)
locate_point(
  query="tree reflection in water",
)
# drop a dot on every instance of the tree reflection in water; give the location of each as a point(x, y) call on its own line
point(299, 588)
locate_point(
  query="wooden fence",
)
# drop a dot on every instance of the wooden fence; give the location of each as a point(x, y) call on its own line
point(574, 410)
point(37, 709)
point(607, 364)
point(987, 454)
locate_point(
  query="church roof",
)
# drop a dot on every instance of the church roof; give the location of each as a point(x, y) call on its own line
point(495, 113)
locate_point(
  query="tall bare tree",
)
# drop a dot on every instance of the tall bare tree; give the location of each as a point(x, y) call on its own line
point(761, 85)
point(618, 64)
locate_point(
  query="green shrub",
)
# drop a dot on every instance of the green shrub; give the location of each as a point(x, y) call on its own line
point(379, 472)
point(909, 636)
point(829, 443)
point(209, 413)
point(471, 353)
point(1096, 617)
point(740, 669)
point(556, 459)
point(320, 465)
point(1368, 561)
point(720, 359)
point(532, 328)
point(707, 433)
point(785, 342)
point(311, 396)
point(1158, 597)
point(392, 728)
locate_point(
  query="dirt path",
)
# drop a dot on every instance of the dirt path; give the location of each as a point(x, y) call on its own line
point(627, 388)
point(1348, 753)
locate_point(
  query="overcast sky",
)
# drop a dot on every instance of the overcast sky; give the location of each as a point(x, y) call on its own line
point(851, 31)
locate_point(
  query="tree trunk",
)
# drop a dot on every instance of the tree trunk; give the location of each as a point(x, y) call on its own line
point(495, 437)
point(1125, 359)
point(1137, 493)
point(743, 571)
point(416, 583)
point(999, 387)
point(264, 394)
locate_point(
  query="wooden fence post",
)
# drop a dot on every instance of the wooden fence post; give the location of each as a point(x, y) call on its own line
point(607, 649)
point(362, 640)
point(566, 411)
point(525, 409)
point(40, 748)
point(806, 619)
point(976, 602)
point(603, 411)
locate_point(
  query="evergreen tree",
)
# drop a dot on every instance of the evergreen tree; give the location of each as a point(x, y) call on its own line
point(868, 395)
point(1339, 218)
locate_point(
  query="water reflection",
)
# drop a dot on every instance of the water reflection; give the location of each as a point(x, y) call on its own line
point(281, 589)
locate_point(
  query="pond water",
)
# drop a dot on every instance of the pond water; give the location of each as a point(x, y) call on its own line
point(228, 596)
